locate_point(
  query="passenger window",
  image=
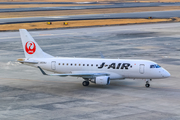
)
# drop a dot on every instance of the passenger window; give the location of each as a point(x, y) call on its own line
point(71, 64)
point(87, 64)
point(59, 63)
point(91, 64)
point(96, 65)
point(63, 63)
point(67, 63)
point(79, 64)
point(83, 64)
point(75, 64)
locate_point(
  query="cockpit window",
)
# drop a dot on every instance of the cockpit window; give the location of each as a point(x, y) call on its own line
point(152, 66)
point(155, 66)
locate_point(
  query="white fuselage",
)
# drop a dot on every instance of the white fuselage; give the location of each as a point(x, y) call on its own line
point(116, 68)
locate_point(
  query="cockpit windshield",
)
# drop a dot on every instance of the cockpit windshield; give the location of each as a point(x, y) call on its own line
point(155, 66)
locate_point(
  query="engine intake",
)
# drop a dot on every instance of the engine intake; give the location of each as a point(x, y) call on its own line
point(102, 80)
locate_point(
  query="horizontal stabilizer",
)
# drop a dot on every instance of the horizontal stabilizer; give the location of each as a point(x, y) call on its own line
point(28, 62)
point(22, 60)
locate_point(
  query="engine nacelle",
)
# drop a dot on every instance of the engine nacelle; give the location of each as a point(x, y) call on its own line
point(102, 80)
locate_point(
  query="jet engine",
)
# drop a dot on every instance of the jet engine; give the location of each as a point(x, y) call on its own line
point(102, 80)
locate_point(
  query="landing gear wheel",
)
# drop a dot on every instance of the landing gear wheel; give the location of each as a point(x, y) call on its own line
point(85, 83)
point(147, 85)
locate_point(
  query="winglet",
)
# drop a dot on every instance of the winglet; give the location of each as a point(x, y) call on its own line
point(42, 71)
point(102, 56)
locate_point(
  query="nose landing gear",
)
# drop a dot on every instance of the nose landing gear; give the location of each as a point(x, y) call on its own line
point(147, 83)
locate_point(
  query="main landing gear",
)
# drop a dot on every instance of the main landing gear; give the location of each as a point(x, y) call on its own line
point(85, 83)
point(147, 83)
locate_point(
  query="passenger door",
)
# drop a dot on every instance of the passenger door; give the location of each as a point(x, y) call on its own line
point(141, 68)
point(53, 65)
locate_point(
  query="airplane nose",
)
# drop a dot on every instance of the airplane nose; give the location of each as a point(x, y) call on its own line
point(166, 74)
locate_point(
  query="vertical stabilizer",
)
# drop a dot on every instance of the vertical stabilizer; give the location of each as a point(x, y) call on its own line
point(31, 48)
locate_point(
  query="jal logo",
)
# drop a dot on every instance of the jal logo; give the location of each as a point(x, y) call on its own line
point(30, 47)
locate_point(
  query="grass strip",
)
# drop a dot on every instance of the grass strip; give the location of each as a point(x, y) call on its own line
point(79, 23)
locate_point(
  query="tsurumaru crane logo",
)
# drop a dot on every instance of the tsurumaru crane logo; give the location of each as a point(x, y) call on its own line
point(30, 47)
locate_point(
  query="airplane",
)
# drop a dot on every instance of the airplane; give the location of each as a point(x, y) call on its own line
point(99, 71)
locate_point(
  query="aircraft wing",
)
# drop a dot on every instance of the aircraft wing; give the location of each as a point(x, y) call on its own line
point(75, 75)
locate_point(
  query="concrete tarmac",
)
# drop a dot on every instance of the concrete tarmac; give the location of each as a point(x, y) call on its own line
point(115, 5)
point(26, 94)
point(153, 14)
point(100, 2)
point(17, 3)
